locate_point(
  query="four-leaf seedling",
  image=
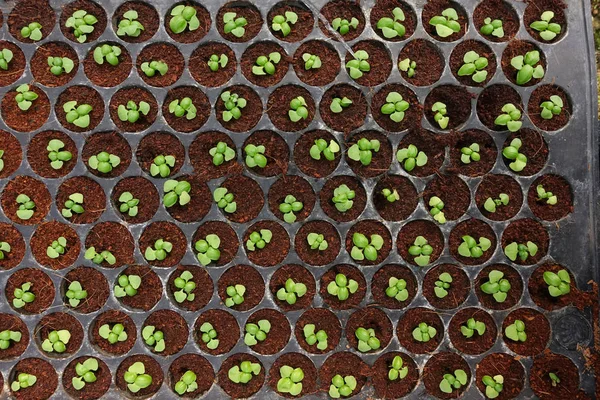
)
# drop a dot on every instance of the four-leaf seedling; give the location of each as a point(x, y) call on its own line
point(548, 30)
point(516, 331)
point(176, 192)
point(451, 382)
point(474, 66)
point(257, 332)
point(127, 285)
point(289, 207)
point(23, 381)
point(107, 52)
point(26, 207)
point(311, 61)
point(258, 240)
point(471, 249)
point(343, 26)
point(233, 105)
point(473, 326)
point(266, 65)
point(493, 385)
point(364, 248)
point(85, 373)
point(221, 153)
point(559, 283)
point(359, 64)
point(319, 338)
point(363, 150)
point(128, 204)
point(410, 157)
point(442, 285)
point(56, 341)
point(497, 286)
point(182, 107)
point(208, 249)
point(75, 293)
point(78, 115)
point(421, 250)
point(255, 156)
point(490, 204)
point(113, 335)
point(161, 250)
point(342, 386)
point(342, 287)
point(104, 162)
point(6, 56)
point(281, 23)
point(298, 109)
point(446, 24)
point(243, 373)
point(397, 369)
point(290, 381)
point(215, 62)
point(98, 258)
point(154, 338)
point(25, 97)
point(129, 25)
point(136, 377)
point(395, 106)
point(317, 241)
point(209, 336)
point(234, 24)
point(511, 118)
point(342, 198)
point(397, 289)
point(161, 165)
point(492, 27)
point(391, 28)
point(186, 287)
point(23, 295)
point(471, 153)
point(367, 340)
point(291, 291)
point(82, 24)
point(511, 152)
point(523, 251)
point(7, 336)
point(186, 384)
point(225, 200)
point(552, 107)
point(150, 68)
point(528, 67)
point(321, 147)
point(183, 17)
point(131, 111)
point(57, 155)
point(235, 295)
point(423, 332)
point(57, 248)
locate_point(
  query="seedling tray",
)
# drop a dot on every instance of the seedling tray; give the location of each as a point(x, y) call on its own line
point(572, 154)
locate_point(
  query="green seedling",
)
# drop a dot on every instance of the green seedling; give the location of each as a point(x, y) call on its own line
point(128, 204)
point(342, 198)
point(60, 65)
point(422, 251)
point(367, 340)
point(56, 341)
point(255, 156)
point(409, 66)
point(437, 205)
point(78, 115)
point(548, 30)
point(82, 24)
point(446, 24)
point(183, 17)
point(136, 377)
point(32, 31)
point(161, 250)
point(150, 68)
point(359, 64)
point(5, 249)
point(424, 333)
point(26, 207)
point(559, 283)
point(107, 52)
point(341, 287)
point(221, 153)
point(473, 326)
point(395, 106)
point(516, 331)
point(554, 379)
point(289, 207)
point(233, 106)
point(131, 112)
point(127, 285)
point(497, 286)
point(397, 289)
point(75, 293)
point(57, 248)
point(391, 195)
point(523, 251)
point(23, 381)
point(258, 240)
point(161, 165)
point(6, 56)
point(56, 154)
point(129, 25)
point(25, 97)
point(317, 241)
point(154, 338)
point(363, 150)
point(338, 104)
point(182, 107)
point(225, 200)
point(470, 153)
point(298, 109)
point(397, 369)
point(186, 287)
point(281, 23)
point(113, 335)
point(440, 115)
point(451, 382)
point(176, 192)
point(266, 65)
point(442, 285)
point(319, 338)
point(243, 373)
point(410, 157)
point(235, 295)
point(471, 249)
point(291, 291)
point(511, 152)
point(209, 336)
point(208, 249)
point(7, 336)
point(104, 162)
point(187, 383)
point(391, 28)
point(342, 386)
point(85, 373)
point(311, 61)
point(1, 160)
point(548, 197)
point(552, 107)
point(343, 25)
point(493, 385)
point(321, 147)
point(364, 248)
point(528, 67)
point(490, 204)
point(511, 118)
point(257, 332)
point(492, 27)
point(99, 258)
point(474, 66)
point(234, 24)
point(290, 380)
point(215, 62)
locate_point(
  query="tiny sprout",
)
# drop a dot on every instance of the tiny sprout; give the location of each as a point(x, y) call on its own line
point(23, 295)
point(423, 332)
point(56, 341)
point(104, 162)
point(129, 204)
point(497, 286)
point(412, 157)
point(470, 248)
point(298, 109)
point(528, 67)
point(243, 373)
point(290, 381)
point(73, 205)
point(390, 195)
point(397, 289)
point(82, 24)
point(511, 118)
point(311, 61)
point(221, 153)
point(257, 332)
point(129, 25)
point(395, 106)
point(320, 337)
point(255, 156)
point(266, 65)
point(442, 285)
point(113, 335)
point(75, 293)
point(161, 250)
point(548, 30)
point(515, 249)
point(98, 258)
point(282, 23)
point(234, 25)
point(186, 286)
point(342, 198)
point(136, 377)
point(209, 335)
point(328, 151)
point(474, 66)
point(154, 338)
point(107, 52)
point(421, 250)
point(543, 195)
point(492, 27)
point(397, 369)
point(554, 378)
point(473, 326)
point(391, 28)
point(365, 249)
point(161, 165)
point(446, 24)
point(493, 386)
point(359, 64)
point(233, 105)
point(451, 382)
point(26, 207)
point(1, 160)
point(516, 331)
point(6, 57)
point(437, 205)
point(490, 204)
point(558, 283)
point(512, 153)
point(183, 17)
point(440, 116)
point(289, 207)
point(56, 155)
point(337, 105)
point(59, 65)
point(152, 67)
point(85, 373)
point(258, 240)
point(131, 112)
point(362, 150)
point(235, 295)
point(342, 386)
point(187, 383)
point(176, 192)
point(127, 285)
point(409, 66)
point(341, 287)
point(25, 97)
point(78, 115)
point(23, 381)
point(57, 248)
point(225, 200)
point(4, 248)
point(317, 241)
point(367, 340)
point(208, 249)
point(291, 291)
point(183, 107)
point(552, 107)
point(343, 25)
point(33, 31)
point(215, 62)
point(7, 336)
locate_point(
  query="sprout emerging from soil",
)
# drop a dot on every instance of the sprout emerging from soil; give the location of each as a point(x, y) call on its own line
point(363, 150)
point(208, 249)
point(516, 331)
point(446, 24)
point(136, 377)
point(290, 206)
point(511, 118)
point(234, 25)
point(473, 326)
point(409, 66)
point(127, 285)
point(5, 249)
point(338, 104)
point(113, 335)
point(75, 293)
point(25, 97)
point(423, 332)
point(59, 65)
point(26, 207)
point(56, 341)
point(235, 295)
point(78, 115)
point(497, 286)
point(131, 112)
point(548, 30)
point(554, 378)
point(342, 198)
point(474, 66)
point(182, 107)
point(341, 287)
point(6, 56)
point(23, 381)
point(221, 153)
point(107, 52)
point(343, 25)
point(129, 25)
point(7, 336)
point(85, 373)
point(450, 382)
point(328, 151)
point(298, 109)
point(490, 204)
point(128, 204)
point(470, 153)
point(291, 291)
point(57, 248)
point(411, 157)
point(440, 116)
point(215, 62)
point(391, 195)
point(282, 23)
point(391, 28)
point(421, 250)
point(56, 155)
point(395, 106)
point(493, 385)
point(161, 250)
point(258, 240)
point(104, 162)
point(154, 338)
point(437, 205)
point(320, 337)
point(442, 285)
point(150, 68)
point(311, 61)
point(552, 107)
point(548, 197)
point(266, 65)
point(528, 67)
point(559, 284)
point(23, 295)
point(98, 258)
point(187, 383)
point(257, 332)
point(161, 165)
point(365, 249)
point(492, 27)
point(183, 17)
point(512, 153)
point(471, 249)
point(317, 241)
point(209, 335)
point(243, 373)
point(73, 205)
point(225, 200)
point(1, 160)
point(523, 251)
point(32, 31)
point(397, 369)
point(176, 192)
point(367, 340)
point(290, 381)
point(82, 24)
point(397, 289)
point(233, 104)
point(255, 156)
point(186, 287)
point(359, 65)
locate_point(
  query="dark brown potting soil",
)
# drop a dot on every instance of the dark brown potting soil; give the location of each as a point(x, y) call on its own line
point(43, 237)
point(278, 107)
point(82, 95)
point(58, 321)
point(37, 192)
point(411, 320)
point(167, 53)
point(251, 114)
point(47, 379)
point(296, 186)
point(41, 286)
point(351, 117)
point(24, 13)
point(370, 318)
point(112, 143)
point(497, 9)
point(278, 336)
point(437, 366)
point(12, 236)
point(173, 327)
point(25, 121)
point(490, 187)
point(160, 144)
point(14, 323)
point(13, 155)
point(453, 191)
point(39, 63)
point(106, 74)
point(490, 103)
point(534, 109)
point(384, 387)
point(429, 143)
point(559, 188)
point(94, 199)
point(92, 8)
point(412, 116)
point(136, 94)
point(457, 100)
point(369, 227)
point(343, 9)
point(303, 26)
point(307, 164)
point(400, 209)
point(344, 364)
point(240, 390)
point(537, 328)
point(243, 9)
point(457, 61)
point(538, 288)
point(429, 60)
point(487, 151)
point(379, 60)
point(533, 146)
point(147, 16)
point(563, 367)
point(202, 161)
point(384, 8)
point(276, 152)
point(17, 65)
point(152, 368)
point(205, 375)
point(114, 237)
point(524, 230)
point(200, 203)
point(201, 72)
point(435, 8)
point(519, 48)
point(188, 36)
point(506, 365)
point(381, 159)
point(90, 391)
point(250, 198)
point(294, 360)
point(199, 100)
point(380, 283)
point(534, 11)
